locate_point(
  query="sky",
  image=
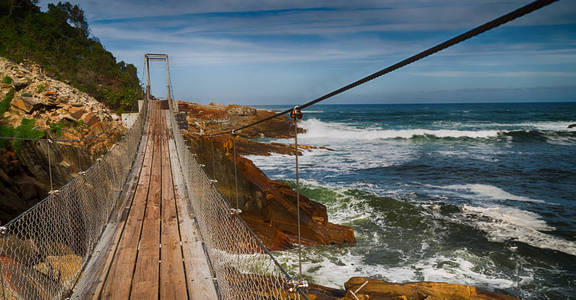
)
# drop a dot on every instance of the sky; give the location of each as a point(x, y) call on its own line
point(293, 51)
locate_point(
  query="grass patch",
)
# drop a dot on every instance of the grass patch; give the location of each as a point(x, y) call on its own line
point(5, 103)
point(7, 80)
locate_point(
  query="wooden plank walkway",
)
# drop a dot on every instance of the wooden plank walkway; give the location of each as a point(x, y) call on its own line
point(154, 251)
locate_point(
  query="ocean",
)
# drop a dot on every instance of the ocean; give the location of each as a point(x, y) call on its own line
point(478, 194)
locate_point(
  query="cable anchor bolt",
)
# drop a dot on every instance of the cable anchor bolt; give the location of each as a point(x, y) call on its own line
point(296, 113)
point(3, 230)
point(213, 181)
point(235, 211)
point(54, 192)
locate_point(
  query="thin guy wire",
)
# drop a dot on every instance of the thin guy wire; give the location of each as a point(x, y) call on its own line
point(439, 47)
point(49, 164)
point(213, 160)
point(235, 168)
point(298, 199)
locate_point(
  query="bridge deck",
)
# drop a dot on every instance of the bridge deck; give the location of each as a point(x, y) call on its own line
point(154, 251)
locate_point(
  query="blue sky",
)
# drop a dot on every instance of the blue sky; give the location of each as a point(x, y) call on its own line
point(289, 52)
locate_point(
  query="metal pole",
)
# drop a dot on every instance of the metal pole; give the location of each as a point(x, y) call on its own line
point(147, 67)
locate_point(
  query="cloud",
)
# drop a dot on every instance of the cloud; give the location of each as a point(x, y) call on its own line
point(312, 41)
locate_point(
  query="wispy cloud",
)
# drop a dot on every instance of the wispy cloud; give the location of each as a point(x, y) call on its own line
point(309, 41)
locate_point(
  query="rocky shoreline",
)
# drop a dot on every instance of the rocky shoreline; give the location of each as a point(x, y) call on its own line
point(269, 206)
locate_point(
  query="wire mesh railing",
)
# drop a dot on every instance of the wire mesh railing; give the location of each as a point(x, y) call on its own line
point(242, 266)
point(43, 251)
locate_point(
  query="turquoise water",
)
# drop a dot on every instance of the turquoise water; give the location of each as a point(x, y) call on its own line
point(481, 194)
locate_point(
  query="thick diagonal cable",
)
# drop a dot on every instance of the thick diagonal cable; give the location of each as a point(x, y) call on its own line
point(451, 42)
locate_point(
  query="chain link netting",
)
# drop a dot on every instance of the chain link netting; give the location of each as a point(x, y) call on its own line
point(242, 266)
point(43, 250)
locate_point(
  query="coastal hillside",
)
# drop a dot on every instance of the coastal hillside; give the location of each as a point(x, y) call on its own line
point(35, 106)
point(59, 41)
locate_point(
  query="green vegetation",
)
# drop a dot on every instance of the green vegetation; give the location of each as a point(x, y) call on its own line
point(5, 104)
point(40, 88)
point(57, 128)
point(24, 130)
point(7, 80)
point(26, 95)
point(59, 40)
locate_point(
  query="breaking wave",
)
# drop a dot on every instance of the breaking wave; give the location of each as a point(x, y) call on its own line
point(319, 130)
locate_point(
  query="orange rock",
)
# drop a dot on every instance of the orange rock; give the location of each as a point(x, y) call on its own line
point(90, 119)
point(76, 112)
point(382, 290)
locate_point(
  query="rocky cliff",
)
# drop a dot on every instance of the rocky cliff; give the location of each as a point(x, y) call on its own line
point(50, 109)
point(268, 206)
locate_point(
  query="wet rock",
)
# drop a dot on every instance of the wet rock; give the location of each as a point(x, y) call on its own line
point(373, 289)
point(572, 125)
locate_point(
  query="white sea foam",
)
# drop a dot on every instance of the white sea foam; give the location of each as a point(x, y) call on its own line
point(488, 191)
point(503, 223)
point(316, 129)
point(459, 267)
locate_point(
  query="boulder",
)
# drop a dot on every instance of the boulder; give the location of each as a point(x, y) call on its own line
point(572, 125)
point(367, 288)
point(26, 104)
point(76, 112)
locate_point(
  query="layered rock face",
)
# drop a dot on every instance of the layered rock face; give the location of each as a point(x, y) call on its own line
point(61, 112)
point(268, 206)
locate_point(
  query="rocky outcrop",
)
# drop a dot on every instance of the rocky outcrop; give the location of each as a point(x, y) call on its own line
point(217, 117)
point(572, 125)
point(268, 206)
point(62, 112)
point(367, 288)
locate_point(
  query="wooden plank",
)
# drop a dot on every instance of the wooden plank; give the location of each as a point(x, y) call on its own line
point(94, 276)
point(145, 283)
point(198, 276)
point(118, 280)
point(172, 276)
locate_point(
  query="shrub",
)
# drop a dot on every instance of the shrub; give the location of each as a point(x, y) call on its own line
point(57, 128)
point(40, 88)
point(5, 103)
point(26, 130)
point(7, 80)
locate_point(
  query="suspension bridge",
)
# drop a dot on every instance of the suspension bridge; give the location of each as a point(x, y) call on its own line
point(145, 221)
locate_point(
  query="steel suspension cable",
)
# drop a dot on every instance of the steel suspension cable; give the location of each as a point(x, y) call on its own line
point(536, 5)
